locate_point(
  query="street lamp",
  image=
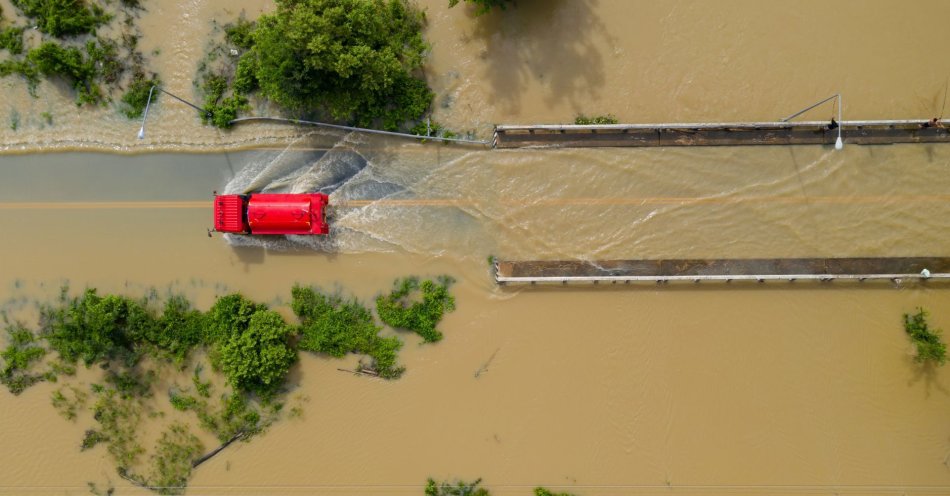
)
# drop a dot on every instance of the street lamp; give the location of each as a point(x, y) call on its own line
point(148, 103)
point(839, 144)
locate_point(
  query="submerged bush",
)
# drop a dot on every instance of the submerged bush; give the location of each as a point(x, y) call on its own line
point(177, 449)
point(11, 39)
point(929, 346)
point(459, 488)
point(336, 327)
point(18, 358)
point(598, 119)
point(484, 6)
point(540, 491)
point(63, 17)
point(417, 306)
point(135, 97)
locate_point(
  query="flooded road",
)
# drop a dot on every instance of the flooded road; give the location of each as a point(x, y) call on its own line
point(781, 389)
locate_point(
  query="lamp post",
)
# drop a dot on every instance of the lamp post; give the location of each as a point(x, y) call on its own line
point(148, 104)
point(839, 144)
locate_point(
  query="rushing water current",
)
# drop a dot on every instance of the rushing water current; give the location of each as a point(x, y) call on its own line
point(680, 389)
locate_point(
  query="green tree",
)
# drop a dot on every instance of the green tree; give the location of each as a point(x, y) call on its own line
point(230, 315)
point(483, 6)
point(352, 59)
point(258, 358)
point(929, 346)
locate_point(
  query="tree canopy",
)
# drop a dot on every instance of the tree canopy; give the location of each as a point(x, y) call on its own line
point(355, 60)
point(258, 357)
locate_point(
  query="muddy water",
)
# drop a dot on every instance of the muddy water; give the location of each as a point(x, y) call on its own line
point(778, 390)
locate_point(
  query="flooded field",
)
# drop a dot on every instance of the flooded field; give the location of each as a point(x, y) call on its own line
point(781, 389)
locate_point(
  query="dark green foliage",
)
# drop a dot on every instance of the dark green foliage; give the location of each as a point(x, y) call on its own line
point(230, 315)
point(336, 327)
point(929, 346)
point(484, 6)
point(459, 488)
point(240, 34)
point(599, 119)
point(257, 358)
point(245, 77)
point(353, 59)
point(63, 17)
point(11, 39)
point(540, 491)
point(95, 328)
point(18, 357)
point(221, 114)
point(82, 72)
point(179, 329)
point(417, 306)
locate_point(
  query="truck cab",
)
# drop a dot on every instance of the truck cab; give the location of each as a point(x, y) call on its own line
point(271, 214)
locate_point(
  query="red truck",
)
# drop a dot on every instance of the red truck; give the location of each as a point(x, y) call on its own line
point(265, 213)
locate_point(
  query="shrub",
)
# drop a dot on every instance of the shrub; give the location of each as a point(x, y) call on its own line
point(929, 346)
point(540, 491)
point(599, 119)
point(240, 34)
point(11, 38)
point(336, 327)
point(18, 357)
point(63, 17)
point(459, 488)
point(95, 328)
point(417, 306)
point(484, 6)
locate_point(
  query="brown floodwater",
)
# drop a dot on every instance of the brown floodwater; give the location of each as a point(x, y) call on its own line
point(749, 389)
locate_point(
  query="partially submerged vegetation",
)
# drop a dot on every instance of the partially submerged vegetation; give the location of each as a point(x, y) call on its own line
point(417, 306)
point(134, 341)
point(583, 120)
point(69, 49)
point(463, 488)
point(930, 348)
point(484, 6)
point(456, 488)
